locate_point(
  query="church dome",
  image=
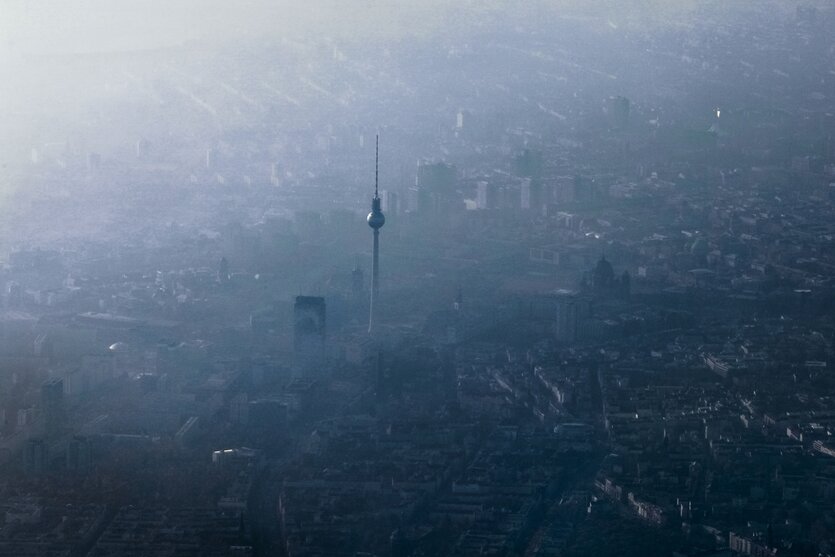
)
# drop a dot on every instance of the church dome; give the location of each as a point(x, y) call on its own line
point(604, 274)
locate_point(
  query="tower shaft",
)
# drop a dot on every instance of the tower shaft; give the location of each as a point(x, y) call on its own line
point(375, 278)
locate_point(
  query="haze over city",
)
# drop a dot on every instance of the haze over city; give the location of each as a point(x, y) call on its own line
point(351, 278)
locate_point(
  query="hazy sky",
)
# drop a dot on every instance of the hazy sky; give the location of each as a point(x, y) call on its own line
point(75, 26)
point(50, 26)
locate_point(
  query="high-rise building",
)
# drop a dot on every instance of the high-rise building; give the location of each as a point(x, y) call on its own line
point(486, 195)
point(275, 174)
point(419, 200)
point(567, 315)
point(52, 406)
point(309, 329)
point(141, 148)
point(461, 119)
point(450, 374)
point(79, 455)
point(531, 195)
point(25, 418)
point(437, 178)
point(357, 282)
point(239, 409)
point(35, 457)
point(391, 202)
point(376, 220)
point(572, 313)
point(223, 271)
point(618, 111)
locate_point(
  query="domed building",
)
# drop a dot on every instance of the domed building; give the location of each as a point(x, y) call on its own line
point(603, 276)
point(605, 283)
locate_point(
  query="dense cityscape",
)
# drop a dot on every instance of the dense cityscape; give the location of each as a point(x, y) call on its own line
point(538, 282)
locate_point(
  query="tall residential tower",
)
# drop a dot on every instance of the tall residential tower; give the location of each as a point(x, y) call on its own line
point(376, 220)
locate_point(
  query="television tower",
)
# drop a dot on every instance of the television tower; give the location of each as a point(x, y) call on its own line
point(376, 220)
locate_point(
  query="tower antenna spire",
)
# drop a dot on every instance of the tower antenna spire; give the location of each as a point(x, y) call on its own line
point(376, 220)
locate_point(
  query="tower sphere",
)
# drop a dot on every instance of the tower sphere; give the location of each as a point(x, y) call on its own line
point(376, 219)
